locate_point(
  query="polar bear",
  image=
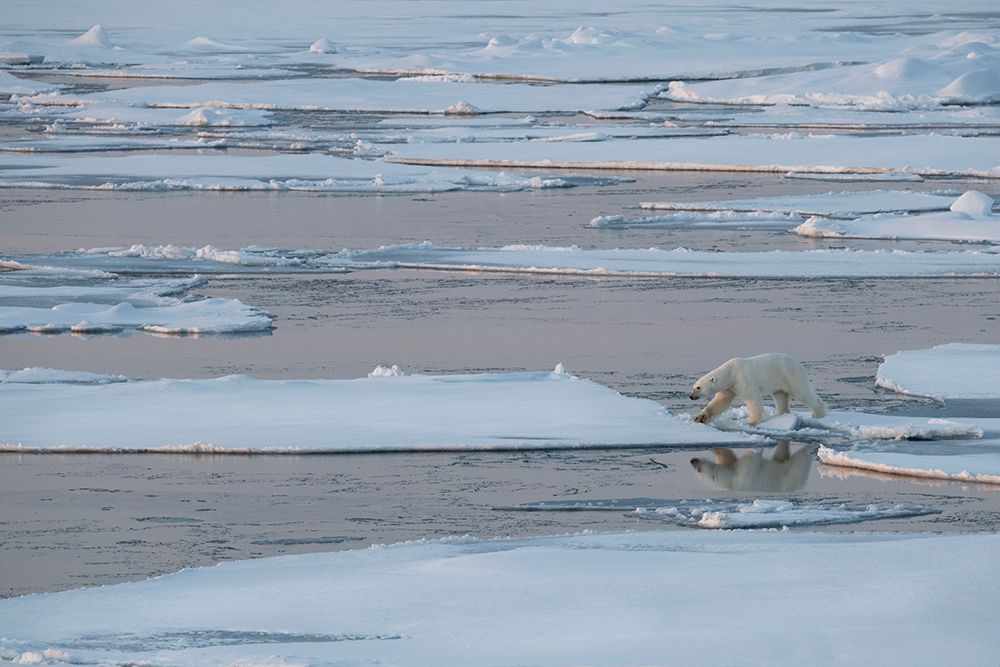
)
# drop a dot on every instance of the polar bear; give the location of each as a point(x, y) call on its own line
point(749, 378)
point(784, 471)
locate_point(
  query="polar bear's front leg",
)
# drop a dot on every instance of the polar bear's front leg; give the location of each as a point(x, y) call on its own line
point(716, 406)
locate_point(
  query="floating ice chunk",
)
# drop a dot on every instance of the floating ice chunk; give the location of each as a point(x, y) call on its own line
point(38, 375)
point(410, 412)
point(831, 204)
point(96, 36)
point(393, 371)
point(323, 45)
point(969, 219)
point(654, 262)
point(949, 461)
point(974, 203)
point(202, 316)
point(950, 371)
point(923, 155)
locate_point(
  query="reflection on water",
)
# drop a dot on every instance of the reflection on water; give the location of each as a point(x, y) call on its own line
point(784, 471)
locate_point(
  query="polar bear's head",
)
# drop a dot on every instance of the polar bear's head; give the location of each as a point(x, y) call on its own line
point(708, 384)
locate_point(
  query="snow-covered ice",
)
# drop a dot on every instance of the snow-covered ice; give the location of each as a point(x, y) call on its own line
point(370, 95)
point(775, 212)
point(944, 372)
point(654, 262)
point(970, 219)
point(837, 204)
point(921, 155)
point(857, 425)
point(649, 262)
point(212, 315)
point(387, 412)
point(309, 172)
point(47, 299)
point(37, 375)
point(977, 461)
point(599, 599)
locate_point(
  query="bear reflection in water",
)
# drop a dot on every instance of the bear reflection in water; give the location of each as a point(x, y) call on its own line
point(784, 471)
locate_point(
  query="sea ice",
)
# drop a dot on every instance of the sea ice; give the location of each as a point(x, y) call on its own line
point(52, 375)
point(638, 598)
point(970, 220)
point(306, 172)
point(653, 262)
point(385, 413)
point(183, 317)
point(977, 461)
point(921, 155)
point(944, 372)
point(370, 95)
point(838, 204)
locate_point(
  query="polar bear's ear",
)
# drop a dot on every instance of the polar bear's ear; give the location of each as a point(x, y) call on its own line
point(724, 456)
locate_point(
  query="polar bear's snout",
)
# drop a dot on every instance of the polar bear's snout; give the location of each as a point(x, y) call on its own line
point(696, 393)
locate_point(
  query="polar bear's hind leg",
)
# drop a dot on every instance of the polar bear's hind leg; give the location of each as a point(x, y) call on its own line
point(780, 402)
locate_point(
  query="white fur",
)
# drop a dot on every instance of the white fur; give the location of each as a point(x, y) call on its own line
point(749, 378)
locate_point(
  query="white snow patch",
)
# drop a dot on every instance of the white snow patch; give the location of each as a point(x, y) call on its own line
point(952, 461)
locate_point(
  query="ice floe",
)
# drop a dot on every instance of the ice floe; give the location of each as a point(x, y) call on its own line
point(838, 204)
point(921, 155)
point(760, 513)
point(654, 262)
point(977, 461)
point(36, 375)
point(48, 299)
point(944, 372)
point(370, 95)
point(384, 413)
point(649, 262)
point(596, 599)
point(952, 72)
point(775, 212)
point(187, 317)
point(969, 219)
point(307, 172)
point(858, 426)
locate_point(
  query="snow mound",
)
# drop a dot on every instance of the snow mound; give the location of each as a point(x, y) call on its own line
point(978, 86)
point(323, 45)
point(974, 203)
point(462, 108)
point(96, 36)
